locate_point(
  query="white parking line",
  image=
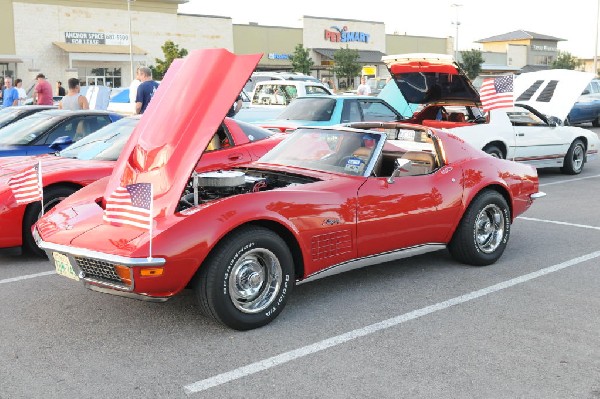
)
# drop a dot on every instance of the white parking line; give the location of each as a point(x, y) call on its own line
point(569, 180)
point(286, 357)
point(583, 226)
point(26, 277)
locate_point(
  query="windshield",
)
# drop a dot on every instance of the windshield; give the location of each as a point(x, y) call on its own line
point(7, 115)
point(328, 150)
point(103, 145)
point(26, 130)
point(309, 109)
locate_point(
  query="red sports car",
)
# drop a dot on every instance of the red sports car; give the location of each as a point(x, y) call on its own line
point(94, 157)
point(324, 200)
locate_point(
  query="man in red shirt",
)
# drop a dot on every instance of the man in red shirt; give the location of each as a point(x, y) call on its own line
point(43, 91)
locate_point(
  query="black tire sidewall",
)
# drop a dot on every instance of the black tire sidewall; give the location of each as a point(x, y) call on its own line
point(220, 267)
point(492, 149)
point(466, 234)
point(568, 164)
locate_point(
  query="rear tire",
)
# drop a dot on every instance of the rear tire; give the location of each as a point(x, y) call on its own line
point(52, 196)
point(483, 232)
point(246, 280)
point(575, 158)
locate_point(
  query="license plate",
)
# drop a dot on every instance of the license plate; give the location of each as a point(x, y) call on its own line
point(63, 266)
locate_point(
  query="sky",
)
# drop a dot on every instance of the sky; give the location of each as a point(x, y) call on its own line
point(575, 21)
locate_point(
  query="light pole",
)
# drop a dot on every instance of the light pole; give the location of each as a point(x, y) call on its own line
point(457, 23)
point(131, 38)
point(595, 70)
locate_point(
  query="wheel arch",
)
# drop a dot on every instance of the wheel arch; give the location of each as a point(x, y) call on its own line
point(282, 231)
point(74, 186)
point(499, 189)
point(500, 144)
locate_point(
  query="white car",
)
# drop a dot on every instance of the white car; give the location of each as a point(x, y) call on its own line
point(269, 98)
point(531, 131)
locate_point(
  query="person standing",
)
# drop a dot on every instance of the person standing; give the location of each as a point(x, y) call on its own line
point(10, 95)
point(363, 88)
point(42, 93)
point(145, 90)
point(60, 91)
point(20, 91)
point(73, 100)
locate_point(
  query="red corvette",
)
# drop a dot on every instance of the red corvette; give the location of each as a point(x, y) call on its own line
point(325, 199)
point(94, 157)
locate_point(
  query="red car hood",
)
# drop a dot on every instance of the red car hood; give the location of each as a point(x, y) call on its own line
point(425, 78)
point(186, 110)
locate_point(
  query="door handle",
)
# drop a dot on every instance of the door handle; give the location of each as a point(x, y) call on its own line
point(235, 157)
point(520, 134)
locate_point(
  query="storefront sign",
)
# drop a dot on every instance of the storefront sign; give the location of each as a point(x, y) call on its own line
point(342, 35)
point(119, 39)
point(276, 56)
point(537, 47)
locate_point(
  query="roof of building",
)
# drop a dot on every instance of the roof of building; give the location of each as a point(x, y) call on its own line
point(366, 56)
point(519, 35)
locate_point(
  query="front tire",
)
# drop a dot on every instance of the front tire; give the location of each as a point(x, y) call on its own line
point(52, 196)
point(494, 151)
point(246, 280)
point(575, 158)
point(483, 232)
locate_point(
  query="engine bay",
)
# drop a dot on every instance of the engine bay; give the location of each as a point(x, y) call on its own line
point(209, 186)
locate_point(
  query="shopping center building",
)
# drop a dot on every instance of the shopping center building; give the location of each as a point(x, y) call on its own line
point(102, 41)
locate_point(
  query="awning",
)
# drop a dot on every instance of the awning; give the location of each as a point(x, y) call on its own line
point(98, 48)
point(10, 58)
point(364, 56)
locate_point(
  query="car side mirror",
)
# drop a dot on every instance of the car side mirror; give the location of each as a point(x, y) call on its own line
point(399, 166)
point(586, 91)
point(61, 142)
point(554, 121)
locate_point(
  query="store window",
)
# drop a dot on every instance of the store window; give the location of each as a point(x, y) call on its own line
point(542, 59)
point(100, 76)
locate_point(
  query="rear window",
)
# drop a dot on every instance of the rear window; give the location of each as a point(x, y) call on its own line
point(254, 133)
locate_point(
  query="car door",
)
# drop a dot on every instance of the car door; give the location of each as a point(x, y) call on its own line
point(413, 210)
point(535, 139)
point(377, 111)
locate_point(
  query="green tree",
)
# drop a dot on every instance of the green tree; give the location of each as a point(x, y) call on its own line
point(301, 62)
point(565, 60)
point(471, 62)
point(345, 64)
point(171, 51)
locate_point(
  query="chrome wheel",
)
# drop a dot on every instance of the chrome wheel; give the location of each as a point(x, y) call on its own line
point(255, 280)
point(578, 157)
point(489, 228)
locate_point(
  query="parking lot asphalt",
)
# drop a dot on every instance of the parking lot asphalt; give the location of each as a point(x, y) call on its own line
point(527, 326)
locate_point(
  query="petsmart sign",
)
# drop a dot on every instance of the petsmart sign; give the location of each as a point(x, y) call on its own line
point(343, 35)
point(118, 39)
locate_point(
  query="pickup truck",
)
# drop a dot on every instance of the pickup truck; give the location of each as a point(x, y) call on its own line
point(270, 97)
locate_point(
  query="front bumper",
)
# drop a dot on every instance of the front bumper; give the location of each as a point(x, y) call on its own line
point(99, 271)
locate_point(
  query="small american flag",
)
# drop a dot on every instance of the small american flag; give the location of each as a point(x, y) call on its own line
point(496, 92)
point(130, 205)
point(27, 185)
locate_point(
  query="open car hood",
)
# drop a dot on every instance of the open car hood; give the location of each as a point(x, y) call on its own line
point(552, 92)
point(425, 78)
point(186, 110)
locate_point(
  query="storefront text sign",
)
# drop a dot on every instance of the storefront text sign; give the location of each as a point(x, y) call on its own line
point(119, 39)
point(277, 56)
point(343, 35)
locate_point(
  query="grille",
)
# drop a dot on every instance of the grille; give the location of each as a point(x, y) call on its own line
point(98, 268)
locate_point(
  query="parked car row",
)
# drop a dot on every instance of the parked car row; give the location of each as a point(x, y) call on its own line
point(183, 197)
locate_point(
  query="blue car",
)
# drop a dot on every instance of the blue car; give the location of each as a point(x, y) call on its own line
point(322, 110)
point(50, 131)
point(587, 108)
point(9, 115)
